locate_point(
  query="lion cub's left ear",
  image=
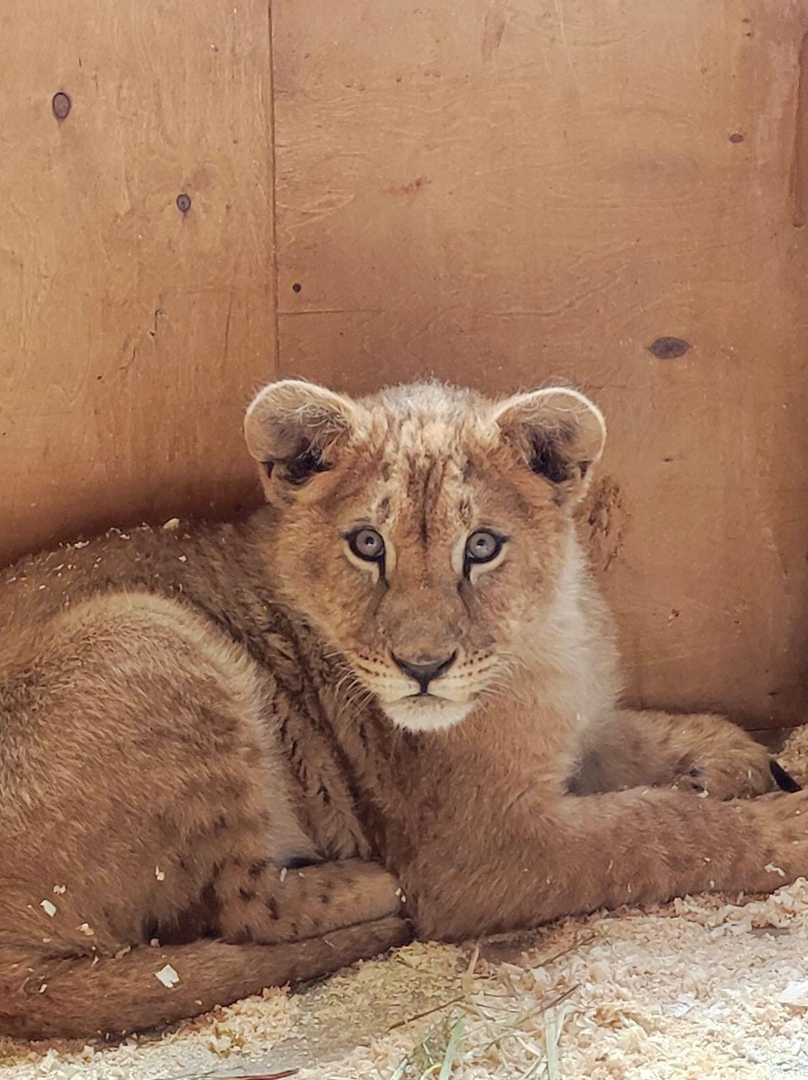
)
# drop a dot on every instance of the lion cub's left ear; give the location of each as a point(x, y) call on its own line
point(292, 428)
point(559, 433)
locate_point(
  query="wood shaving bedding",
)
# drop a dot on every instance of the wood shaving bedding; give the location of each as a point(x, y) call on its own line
point(702, 987)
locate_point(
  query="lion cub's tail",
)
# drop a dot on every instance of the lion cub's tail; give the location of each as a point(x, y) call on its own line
point(85, 997)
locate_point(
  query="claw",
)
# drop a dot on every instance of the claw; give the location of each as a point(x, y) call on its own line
point(784, 780)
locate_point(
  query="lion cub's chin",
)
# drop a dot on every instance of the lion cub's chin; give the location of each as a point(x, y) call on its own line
point(426, 713)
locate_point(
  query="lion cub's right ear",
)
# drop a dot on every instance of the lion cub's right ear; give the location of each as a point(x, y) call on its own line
point(292, 428)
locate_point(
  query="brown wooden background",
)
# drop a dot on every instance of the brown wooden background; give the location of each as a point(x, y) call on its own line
point(498, 192)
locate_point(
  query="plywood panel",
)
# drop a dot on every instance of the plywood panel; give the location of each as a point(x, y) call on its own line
point(131, 333)
point(501, 192)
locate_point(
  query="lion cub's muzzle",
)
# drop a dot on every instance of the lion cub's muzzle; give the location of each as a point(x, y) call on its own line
point(424, 669)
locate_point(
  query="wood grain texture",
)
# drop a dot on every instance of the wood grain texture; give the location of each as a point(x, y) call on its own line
point(131, 334)
point(502, 192)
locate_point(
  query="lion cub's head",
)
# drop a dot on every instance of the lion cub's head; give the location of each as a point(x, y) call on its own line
point(425, 531)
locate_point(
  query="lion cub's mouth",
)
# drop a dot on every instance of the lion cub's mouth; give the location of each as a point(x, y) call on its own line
point(439, 702)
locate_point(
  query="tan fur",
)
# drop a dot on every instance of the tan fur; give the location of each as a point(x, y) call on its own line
point(188, 715)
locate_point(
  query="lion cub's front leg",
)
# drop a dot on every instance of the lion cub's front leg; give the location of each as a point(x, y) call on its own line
point(700, 754)
point(551, 856)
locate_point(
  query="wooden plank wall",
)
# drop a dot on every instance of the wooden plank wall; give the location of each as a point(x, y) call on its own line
point(498, 192)
point(131, 332)
point(506, 191)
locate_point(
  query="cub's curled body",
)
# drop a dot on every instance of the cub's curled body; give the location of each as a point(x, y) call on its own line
point(251, 741)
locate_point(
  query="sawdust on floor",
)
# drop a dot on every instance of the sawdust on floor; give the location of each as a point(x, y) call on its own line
point(704, 987)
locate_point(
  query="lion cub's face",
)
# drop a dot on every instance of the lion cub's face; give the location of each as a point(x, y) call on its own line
point(425, 531)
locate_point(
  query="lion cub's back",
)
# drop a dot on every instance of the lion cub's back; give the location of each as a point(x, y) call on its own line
point(169, 561)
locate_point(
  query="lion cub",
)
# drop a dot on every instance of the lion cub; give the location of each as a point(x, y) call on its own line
point(218, 745)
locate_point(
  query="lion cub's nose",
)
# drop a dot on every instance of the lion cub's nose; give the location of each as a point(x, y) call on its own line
point(425, 670)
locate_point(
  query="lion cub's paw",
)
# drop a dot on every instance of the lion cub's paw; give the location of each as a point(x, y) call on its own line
point(737, 768)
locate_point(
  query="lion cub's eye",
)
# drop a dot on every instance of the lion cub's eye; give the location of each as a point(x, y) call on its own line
point(483, 546)
point(366, 544)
